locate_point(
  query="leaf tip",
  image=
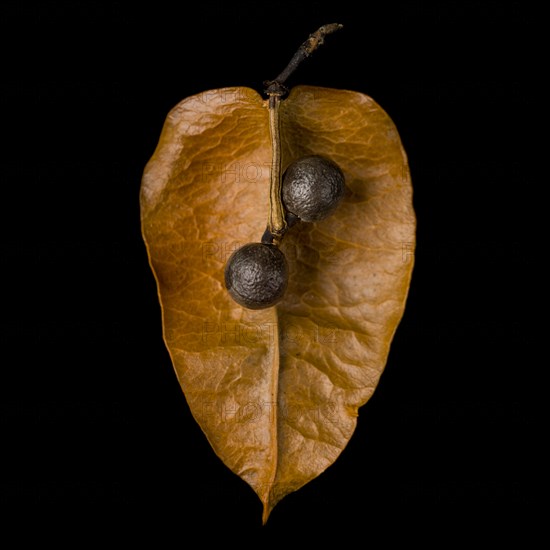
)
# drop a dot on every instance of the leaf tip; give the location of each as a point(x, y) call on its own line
point(266, 512)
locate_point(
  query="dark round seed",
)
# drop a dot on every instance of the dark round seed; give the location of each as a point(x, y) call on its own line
point(256, 275)
point(313, 186)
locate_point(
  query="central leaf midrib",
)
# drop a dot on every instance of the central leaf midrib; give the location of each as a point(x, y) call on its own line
point(273, 418)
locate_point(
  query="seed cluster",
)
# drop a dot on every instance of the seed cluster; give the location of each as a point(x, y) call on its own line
point(256, 275)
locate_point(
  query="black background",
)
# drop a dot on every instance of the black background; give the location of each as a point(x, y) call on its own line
point(446, 434)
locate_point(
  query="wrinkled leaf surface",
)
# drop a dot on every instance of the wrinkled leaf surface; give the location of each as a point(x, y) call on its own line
point(277, 391)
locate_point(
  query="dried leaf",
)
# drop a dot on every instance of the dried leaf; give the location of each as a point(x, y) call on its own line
point(277, 391)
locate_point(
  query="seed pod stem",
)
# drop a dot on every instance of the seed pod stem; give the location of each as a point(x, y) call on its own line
point(276, 223)
point(275, 89)
point(314, 40)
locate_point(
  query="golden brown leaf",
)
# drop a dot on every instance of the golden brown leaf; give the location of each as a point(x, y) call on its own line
point(277, 391)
